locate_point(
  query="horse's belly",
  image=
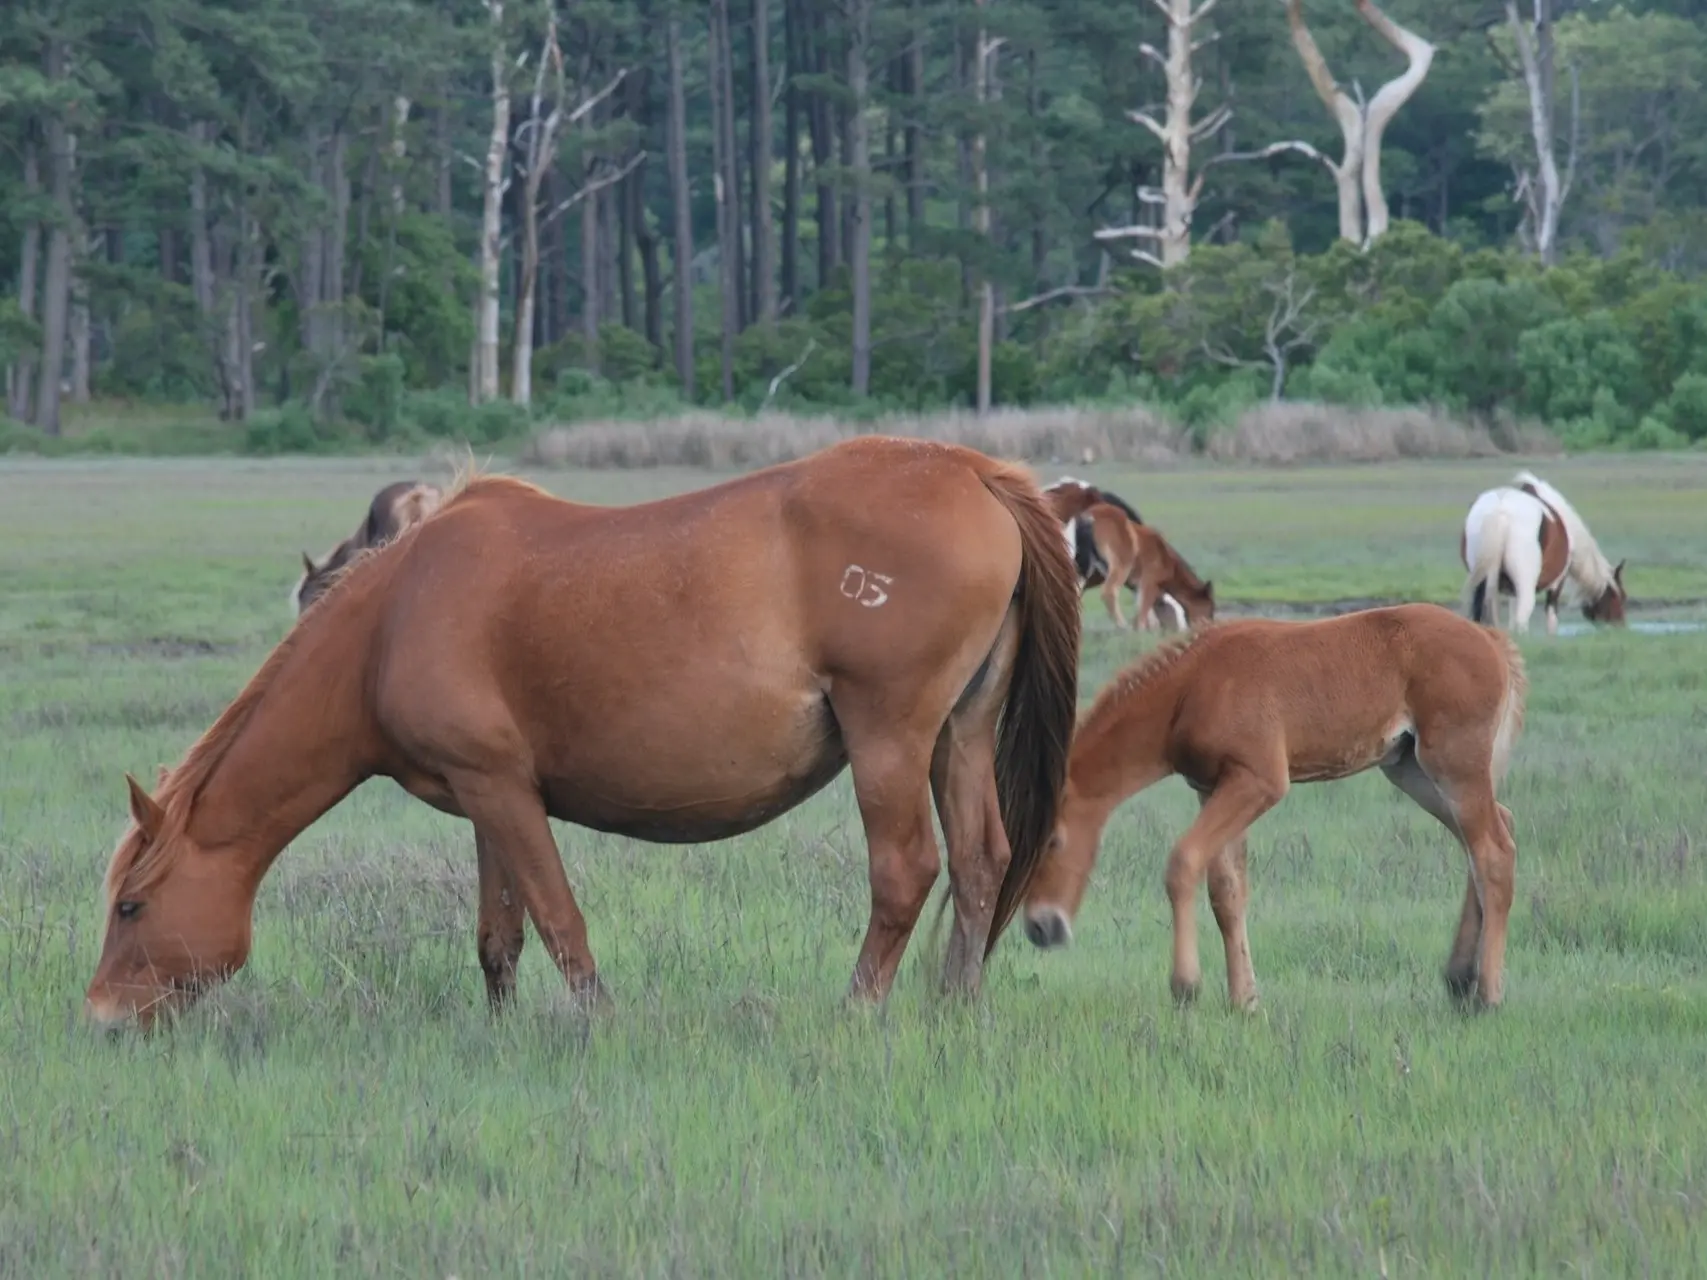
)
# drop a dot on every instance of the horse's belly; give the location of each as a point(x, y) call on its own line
point(707, 780)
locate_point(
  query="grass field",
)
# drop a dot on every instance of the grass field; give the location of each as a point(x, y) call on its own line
point(345, 1106)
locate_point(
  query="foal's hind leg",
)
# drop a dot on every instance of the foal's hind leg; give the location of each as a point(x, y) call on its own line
point(498, 935)
point(1239, 799)
point(1485, 829)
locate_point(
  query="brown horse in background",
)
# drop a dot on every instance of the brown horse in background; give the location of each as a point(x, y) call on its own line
point(1113, 547)
point(1242, 710)
point(678, 671)
point(394, 509)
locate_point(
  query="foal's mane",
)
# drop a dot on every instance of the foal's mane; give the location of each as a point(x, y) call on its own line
point(1139, 674)
point(138, 863)
point(1588, 562)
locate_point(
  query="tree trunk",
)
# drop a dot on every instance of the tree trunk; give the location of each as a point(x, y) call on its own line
point(729, 160)
point(984, 52)
point(590, 295)
point(792, 67)
point(78, 324)
point(681, 202)
point(56, 290)
point(1545, 193)
point(914, 141)
point(1357, 175)
point(829, 224)
point(859, 257)
point(484, 381)
point(764, 231)
point(728, 262)
point(623, 208)
point(22, 372)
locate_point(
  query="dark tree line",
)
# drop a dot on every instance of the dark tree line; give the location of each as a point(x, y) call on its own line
point(333, 203)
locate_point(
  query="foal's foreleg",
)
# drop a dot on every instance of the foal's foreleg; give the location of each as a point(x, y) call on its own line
point(499, 934)
point(1239, 799)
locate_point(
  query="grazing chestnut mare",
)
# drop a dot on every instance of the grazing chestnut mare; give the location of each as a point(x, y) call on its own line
point(678, 671)
point(1113, 547)
point(1242, 710)
point(1524, 537)
point(394, 509)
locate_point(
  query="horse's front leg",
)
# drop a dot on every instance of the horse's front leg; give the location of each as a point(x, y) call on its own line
point(1240, 797)
point(1553, 613)
point(499, 933)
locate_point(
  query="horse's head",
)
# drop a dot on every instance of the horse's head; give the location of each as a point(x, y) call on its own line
point(1608, 606)
point(1058, 885)
point(1198, 603)
point(317, 579)
point(178, 919)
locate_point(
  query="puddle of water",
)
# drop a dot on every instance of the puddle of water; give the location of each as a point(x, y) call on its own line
point(1646, 627)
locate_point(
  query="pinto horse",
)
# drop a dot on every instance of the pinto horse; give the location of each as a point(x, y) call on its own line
point(393, 509)
point(1113, 547)
point(1242, 710)
point(1524, 537)
point(678, 671)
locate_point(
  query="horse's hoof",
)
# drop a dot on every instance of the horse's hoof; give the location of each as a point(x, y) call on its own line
point(1048, 928)
point(1185, 990)
point(1461, 985)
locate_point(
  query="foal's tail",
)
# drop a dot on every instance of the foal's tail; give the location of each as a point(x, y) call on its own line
point(1510, 724)
point(1483, 585)
point(1037, 720)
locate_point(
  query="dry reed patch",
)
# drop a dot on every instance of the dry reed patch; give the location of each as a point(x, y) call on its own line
point(1066, 434)
point(1301, 431)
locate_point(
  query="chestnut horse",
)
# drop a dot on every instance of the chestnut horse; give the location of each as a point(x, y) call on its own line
point(678, 671)
point(394, 509)
point(1113, 547)
point(1523, 538)
point(1242, 710)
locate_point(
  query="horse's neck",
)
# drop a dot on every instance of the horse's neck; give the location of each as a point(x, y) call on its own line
point(306, 742)
point(1125, 749)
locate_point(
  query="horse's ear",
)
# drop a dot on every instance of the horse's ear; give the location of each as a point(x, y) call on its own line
point(164, 774)
point(1618, 574)
point(1209, 588)
point(308, 564)
point(149, 816)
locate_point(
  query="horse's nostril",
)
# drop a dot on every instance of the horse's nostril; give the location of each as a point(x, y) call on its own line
point(1047, 929)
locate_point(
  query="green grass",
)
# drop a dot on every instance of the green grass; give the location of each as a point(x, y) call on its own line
point(346, 1107)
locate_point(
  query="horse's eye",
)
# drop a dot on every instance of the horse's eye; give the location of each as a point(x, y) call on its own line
point(128, 910)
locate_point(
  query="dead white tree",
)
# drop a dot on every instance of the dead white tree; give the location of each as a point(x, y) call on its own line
point(1543, 192)
point(1181, 190)
point(483, 370)
point(1287, 328)
point(1357, 176)
point(538, 137)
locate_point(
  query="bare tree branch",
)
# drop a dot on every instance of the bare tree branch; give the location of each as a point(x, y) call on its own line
point(1052, 295)
point(789, 372)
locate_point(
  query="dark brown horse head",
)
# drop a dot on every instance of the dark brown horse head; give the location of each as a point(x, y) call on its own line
point(178, 921)
point(1608, 606)
point(1069, 497)
point(317, 578)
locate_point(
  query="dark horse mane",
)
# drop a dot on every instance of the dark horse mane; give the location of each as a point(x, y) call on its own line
point(1115, 500)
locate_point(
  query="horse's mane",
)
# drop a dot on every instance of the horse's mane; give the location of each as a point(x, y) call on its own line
point(1183, 566)
point(137, 863)
point(1115, 500)
point(1139, 673)
point(1590, 563)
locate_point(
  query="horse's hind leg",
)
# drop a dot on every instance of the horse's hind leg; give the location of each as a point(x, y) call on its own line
point(499, 934)
point(1239, 799)
point(963, 779)
point(891, 765)
point(1483, 827)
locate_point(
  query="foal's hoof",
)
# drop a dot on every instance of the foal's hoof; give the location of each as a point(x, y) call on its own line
point(1047, 928)
point(1248, 1005)
point(1185, 990)
point(1461, 984)
point(588, 997)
